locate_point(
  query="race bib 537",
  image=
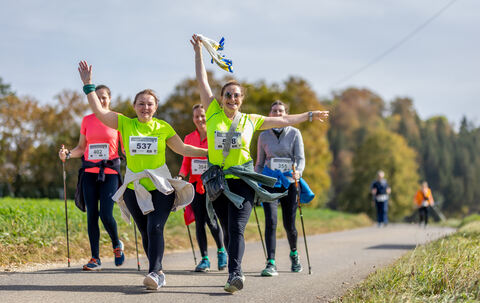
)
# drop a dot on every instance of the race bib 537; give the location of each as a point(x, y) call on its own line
point(143, 145)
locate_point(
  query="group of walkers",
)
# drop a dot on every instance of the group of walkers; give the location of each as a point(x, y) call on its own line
point(216, 155)
point(148, 192)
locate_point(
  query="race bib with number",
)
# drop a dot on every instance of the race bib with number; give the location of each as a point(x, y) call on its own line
point(220, 138)
point(282, 164)
point(143, 145)
point(425, 203)
point(199, 166)
point(98, 151)
point(382, 198)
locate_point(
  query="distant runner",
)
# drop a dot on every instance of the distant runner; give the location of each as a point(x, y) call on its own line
point(423, 200)
point(380, 192)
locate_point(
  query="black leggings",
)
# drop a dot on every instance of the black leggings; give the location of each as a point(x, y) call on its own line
point(151, 225)
point(94, 191)
point(201, 218)
point(289, 211)
point(423, 212)
point(234, 220)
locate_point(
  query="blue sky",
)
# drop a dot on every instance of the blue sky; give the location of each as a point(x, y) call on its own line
point(138, 44)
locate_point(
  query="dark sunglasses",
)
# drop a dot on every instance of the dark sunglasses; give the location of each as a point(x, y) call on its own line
point(229, 95)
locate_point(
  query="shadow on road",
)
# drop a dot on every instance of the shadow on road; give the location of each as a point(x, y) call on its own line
point(77, 270)
point(127, 290)
point(393, 246)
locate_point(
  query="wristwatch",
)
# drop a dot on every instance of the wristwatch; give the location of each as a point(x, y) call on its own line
point(68, 155)
point(310, 116)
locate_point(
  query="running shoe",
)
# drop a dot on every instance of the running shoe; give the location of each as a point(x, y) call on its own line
point(203, 266)
point(154, 281)
point(93, 265)
point(296, 266)
point(222, 260)
point(119, 255)
point(270, 270)
point(235, 282)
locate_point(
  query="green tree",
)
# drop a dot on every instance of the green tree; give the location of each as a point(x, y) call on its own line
point(387, 151)
point(355, 113)
point(404, 120)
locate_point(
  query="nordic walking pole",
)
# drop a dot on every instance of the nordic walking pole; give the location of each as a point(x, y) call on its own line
point(136, 244)
point(66, 212)
point(260, 232)
point(301, 219)
point(191, 244)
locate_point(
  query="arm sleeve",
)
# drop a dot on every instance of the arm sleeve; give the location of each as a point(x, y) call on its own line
point(299, 152)
point(257, 121)
point(170, 131)
point(260, 156)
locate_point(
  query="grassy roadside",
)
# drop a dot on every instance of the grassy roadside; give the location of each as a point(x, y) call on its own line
point(33, 231)
point(446, 270)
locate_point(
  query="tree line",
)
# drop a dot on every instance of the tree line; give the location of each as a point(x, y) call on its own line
point(364, 134)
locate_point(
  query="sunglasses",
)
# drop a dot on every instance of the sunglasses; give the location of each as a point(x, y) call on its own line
point(229, 95)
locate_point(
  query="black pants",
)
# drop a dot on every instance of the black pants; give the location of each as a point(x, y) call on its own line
point(289, 211)
point(151, 225)
point(93, 192)
point(423, 212)
point(234, 220)
point(201, 218)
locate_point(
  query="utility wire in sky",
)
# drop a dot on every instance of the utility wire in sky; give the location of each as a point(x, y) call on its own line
point(395, 46)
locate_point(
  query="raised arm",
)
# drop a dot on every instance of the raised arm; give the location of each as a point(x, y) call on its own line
point(108, 117)
point(289, 120)
point(176, 144)
point(206, 95)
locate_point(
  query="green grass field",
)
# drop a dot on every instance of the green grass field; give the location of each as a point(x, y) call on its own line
point(446, 270)
point(33, 231)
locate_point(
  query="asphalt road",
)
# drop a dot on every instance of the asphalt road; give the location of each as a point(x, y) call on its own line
point(339, 261)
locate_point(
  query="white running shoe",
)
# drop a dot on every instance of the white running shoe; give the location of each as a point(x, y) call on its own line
point(154, 281)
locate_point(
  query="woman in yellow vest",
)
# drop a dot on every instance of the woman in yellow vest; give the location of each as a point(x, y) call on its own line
point(233, 207)
point(423, 199)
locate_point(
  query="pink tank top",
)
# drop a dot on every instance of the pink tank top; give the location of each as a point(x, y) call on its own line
point(102, 142)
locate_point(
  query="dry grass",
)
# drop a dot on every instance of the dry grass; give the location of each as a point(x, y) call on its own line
point(446, 270)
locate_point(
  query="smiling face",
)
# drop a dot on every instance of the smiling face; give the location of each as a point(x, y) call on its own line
point(199, 119)
point(104, 97)
point(232, 99)
point(145, 106)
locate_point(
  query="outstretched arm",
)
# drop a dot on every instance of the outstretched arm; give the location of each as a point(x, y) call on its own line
point(289, 120)
point(206, 95)
point(108, 117)
point(176, 144)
